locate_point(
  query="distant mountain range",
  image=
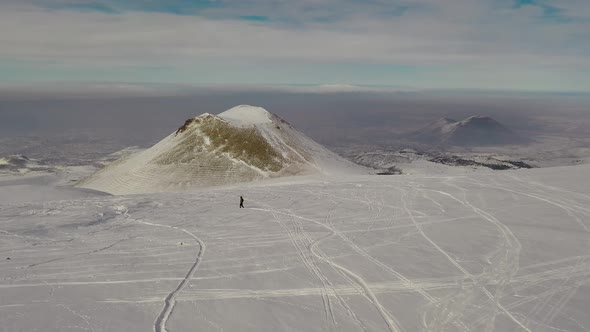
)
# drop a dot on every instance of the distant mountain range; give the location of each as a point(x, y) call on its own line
point(473, 131)
point(242, 144)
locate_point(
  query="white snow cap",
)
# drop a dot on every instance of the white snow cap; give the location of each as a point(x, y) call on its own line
point(246, 115)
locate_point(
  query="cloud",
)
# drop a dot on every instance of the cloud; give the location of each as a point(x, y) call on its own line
point(89, 90)
point(307, 89)
point(157, 38)
point(150, 38)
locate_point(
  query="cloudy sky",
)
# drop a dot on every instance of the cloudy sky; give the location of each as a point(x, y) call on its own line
point(535, 45)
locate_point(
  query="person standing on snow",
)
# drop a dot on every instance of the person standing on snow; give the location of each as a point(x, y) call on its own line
point(241, 202)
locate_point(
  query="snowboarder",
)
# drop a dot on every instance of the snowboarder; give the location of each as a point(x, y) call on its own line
point(241, 202)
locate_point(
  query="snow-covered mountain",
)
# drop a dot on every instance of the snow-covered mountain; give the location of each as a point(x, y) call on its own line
point(242, 144)
point(473, 131)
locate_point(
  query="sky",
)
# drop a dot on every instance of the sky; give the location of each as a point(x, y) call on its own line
point(514, 45)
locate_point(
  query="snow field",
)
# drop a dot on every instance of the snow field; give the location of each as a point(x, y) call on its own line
point(504, 251)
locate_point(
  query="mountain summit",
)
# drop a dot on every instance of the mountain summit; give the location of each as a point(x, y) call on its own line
point(242, 144)
point(473, 131)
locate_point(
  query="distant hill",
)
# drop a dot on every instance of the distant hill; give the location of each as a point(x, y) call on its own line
point(473, 131)
point(243, 144)
point(19, 164)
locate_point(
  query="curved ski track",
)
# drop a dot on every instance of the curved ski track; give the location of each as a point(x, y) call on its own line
point(170, 300)
point(391, 322)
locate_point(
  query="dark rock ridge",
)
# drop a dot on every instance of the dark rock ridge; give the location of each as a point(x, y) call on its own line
point(492, 163)
point(22, 164)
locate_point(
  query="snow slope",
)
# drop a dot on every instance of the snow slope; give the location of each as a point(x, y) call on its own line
point(40, 188)
point(501, 251)
point(242, 144)
point(40, 183)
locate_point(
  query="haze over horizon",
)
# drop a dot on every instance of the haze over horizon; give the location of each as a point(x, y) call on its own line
point(514, 45)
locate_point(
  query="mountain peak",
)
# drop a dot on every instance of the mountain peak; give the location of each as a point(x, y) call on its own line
point(478, 119)
point(446, 120)
point(244, 115)
point(474, 130)
point(188, 123)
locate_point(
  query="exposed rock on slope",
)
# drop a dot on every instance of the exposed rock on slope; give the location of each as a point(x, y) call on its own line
point(473, 131)
point(242, 144)
point(19, 164)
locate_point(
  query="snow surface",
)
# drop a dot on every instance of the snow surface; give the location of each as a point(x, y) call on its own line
point(49, 183)
point(246, 115)
point(497, 251)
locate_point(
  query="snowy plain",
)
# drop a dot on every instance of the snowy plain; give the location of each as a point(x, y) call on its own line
point(462, 251)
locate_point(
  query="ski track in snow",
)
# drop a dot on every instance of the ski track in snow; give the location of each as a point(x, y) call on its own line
point(388, 254)
point(388, 318)
point(170, 300)
point(509, 265)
